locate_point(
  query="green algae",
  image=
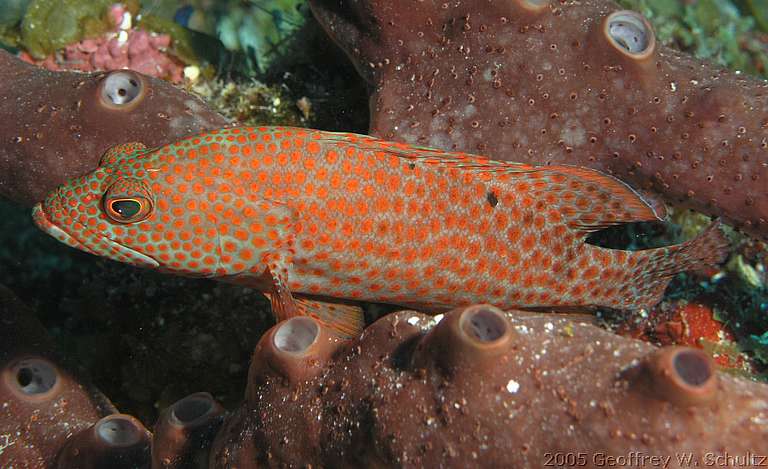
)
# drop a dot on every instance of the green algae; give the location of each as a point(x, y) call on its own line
point(716, 30)
point(758, 345)
point(759, 10)
point(49, 25)
point(190, 46)
point(12, 12)
point(259, 29)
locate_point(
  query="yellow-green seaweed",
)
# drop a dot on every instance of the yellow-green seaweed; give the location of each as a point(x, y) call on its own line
point(49, 25)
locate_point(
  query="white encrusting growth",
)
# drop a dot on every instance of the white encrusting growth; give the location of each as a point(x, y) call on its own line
point(296, 335)
point(573, 133)
point(513, 386)
point(118, 430)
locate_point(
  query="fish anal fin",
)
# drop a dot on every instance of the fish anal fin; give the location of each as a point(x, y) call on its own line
point(343, 318)
point(121, 151)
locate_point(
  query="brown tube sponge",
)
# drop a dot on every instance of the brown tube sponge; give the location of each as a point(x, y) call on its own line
point(57, 125)
point(184, 432)
point(563, 82)
point(481, 388)
point(286, 361)
point(117, 441)
point(478, 336)
point(293, 350)
point(42, 400)
point(681, 375)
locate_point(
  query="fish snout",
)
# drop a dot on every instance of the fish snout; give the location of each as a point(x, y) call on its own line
point(40, 215)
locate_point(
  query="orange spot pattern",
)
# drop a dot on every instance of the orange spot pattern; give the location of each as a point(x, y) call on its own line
point(361, 218)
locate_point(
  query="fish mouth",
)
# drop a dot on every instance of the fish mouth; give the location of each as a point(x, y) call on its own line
point(110, 248)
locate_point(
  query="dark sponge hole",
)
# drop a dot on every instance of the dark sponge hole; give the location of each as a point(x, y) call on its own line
point(692, 367)
point(35, 377)
point(485, 325)
point(190, 409)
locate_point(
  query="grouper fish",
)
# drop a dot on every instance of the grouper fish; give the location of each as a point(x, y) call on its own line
point(304, 215)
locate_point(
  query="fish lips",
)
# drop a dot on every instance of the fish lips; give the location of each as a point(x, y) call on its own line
point(105, 247)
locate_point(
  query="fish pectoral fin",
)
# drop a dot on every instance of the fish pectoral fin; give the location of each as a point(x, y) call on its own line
point(123, 150)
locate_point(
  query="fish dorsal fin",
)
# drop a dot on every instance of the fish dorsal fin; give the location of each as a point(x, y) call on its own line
point(122, 151)
point(415, 153)
point(592, 200)
point(589, 200)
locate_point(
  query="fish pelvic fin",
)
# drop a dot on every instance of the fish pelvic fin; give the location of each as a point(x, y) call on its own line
point(343, 318)
point(656, 267)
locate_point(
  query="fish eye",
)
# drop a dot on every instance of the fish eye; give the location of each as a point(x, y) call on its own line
point(127, 209)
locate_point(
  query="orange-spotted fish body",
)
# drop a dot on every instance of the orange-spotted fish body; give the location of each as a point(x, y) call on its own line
point(349, 216)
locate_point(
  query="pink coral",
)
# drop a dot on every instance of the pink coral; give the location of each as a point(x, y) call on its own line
point(122, 48)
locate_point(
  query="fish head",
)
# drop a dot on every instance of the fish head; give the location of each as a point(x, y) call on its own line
point(101, 213)
point(121, 210)
point(166, 210)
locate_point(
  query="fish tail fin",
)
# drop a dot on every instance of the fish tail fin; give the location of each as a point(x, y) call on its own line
point(654, 268)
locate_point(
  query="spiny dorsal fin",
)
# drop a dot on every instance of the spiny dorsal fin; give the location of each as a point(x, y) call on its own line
point(123, 150)
point(589, 199)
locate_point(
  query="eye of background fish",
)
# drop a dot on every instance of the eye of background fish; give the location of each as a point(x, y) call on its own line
point(122, 89)
point(127, 209)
